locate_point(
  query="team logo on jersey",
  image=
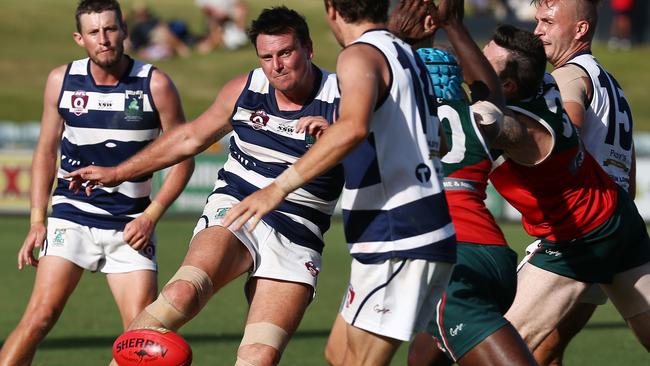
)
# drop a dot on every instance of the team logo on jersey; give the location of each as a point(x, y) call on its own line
point(79, 103)
point(259, 118)
point(423, 173)
point(311, 267)
point(59, 237)
point(133, 105)
point(309, 140)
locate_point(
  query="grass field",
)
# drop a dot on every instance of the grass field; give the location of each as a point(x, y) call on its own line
point(89, 324)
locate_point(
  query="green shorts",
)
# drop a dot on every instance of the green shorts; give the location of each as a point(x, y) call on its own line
point(481, 289)
point(618, 244)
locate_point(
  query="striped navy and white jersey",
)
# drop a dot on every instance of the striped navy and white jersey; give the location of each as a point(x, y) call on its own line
point(265, 143)
point(393, 202)
point(104, 125)
point(607, 128)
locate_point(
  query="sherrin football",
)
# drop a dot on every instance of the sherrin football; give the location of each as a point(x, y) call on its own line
point(151, 347)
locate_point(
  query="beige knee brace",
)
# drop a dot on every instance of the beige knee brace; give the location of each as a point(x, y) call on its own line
point(165, 312)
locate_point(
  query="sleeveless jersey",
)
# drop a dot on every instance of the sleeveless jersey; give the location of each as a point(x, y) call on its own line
point(104, 125)
point(607, 128)
point(467, 166)
point(265, 143)
point(565, 196)
point(393, 202)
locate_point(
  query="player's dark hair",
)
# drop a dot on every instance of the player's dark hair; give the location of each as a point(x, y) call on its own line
point(526, 61)
point(98, 6)
point(279, 20)
point(354, 11)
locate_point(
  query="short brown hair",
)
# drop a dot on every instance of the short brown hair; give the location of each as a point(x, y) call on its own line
point(98, 6)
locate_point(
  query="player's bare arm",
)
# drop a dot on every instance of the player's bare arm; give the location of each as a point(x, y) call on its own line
point(362, 74)
point(44, 167)
point(173, 146)
point(165, 96)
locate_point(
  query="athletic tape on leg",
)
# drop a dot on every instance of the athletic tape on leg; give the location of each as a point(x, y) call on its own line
point(198, 278)
point(241, 362)
point(166, 313)
point(265, 333)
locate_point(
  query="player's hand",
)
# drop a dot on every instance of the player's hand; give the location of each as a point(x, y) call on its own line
point(447, 13)
point(34, 240)
point(254, 208)
point(408, 19)
point(312, 125)
point(138, 231)
point(93, 176)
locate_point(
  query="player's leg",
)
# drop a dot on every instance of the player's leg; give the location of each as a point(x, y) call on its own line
point(215, 257)
point(131, 274)
point(630, 293)
point(56, 279)
point(551, 350)
point(534, 286)
point(337, 342)
point(132, 292)
point(424, 351)
point(367, 349)
point(275, 311)
point(503, 347)
point(469, 322)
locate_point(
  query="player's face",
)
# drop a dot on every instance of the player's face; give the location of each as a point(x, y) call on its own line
point(285, 62)
point(102, 37)
point(556, 27)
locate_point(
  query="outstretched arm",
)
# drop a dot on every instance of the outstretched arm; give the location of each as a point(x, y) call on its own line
point(359, 94)
point(138, 232)
point(172, 147)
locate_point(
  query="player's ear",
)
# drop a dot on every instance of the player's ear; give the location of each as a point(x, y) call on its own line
point(582, 28)
point(509, 86)
point(78, 38)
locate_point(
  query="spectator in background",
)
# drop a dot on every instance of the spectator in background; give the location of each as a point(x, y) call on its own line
point(620, 33)
point(154, 39)
point(226, 24)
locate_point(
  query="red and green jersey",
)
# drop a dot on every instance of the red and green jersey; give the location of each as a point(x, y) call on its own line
point(566, 195)
point(466, 167)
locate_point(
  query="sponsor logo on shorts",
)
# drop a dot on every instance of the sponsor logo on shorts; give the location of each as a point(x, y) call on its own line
point(456, 330)
point(259, 118)
point(380, 310)
point(149, 251)
point(350, 297)
point(554, 253)
point(59, 237)
point(311, 267)
point(221, 212)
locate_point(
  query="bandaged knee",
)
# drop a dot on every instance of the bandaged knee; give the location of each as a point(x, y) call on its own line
point(265, 333)
point(165, 312)
point(198, 278)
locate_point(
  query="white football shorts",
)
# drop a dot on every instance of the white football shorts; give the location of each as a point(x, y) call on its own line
point(274, 256)
point(96, 249)
point(395, 298)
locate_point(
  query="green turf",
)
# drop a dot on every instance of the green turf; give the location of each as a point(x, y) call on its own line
point(36, 36)
point(89, 324)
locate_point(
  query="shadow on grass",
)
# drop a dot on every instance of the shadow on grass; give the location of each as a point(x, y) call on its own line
point(107, 341)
